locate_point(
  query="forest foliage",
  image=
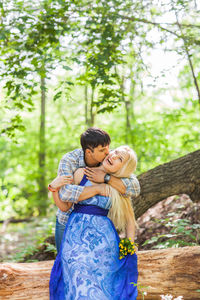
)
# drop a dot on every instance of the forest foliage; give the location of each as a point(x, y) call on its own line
point(68, 64)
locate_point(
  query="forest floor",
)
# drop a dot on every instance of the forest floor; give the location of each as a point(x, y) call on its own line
point(173, 222)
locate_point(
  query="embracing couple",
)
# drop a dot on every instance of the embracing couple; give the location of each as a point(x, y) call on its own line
point(93, 193)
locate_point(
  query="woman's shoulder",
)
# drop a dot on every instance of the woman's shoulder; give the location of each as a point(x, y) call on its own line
point(78, 175)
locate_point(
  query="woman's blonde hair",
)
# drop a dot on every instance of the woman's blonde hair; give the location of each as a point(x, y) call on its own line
point(121, 210)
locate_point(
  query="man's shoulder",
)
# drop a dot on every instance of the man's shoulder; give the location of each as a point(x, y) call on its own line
point(71, 161)
point(133, 176)
point(75, 154)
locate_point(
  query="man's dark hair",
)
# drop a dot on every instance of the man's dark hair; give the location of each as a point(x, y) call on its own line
point(93, 137)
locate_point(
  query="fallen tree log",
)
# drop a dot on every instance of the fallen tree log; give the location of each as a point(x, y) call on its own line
point(22, 281)
point(174, 271)
point(14, 220)
point(179, 176)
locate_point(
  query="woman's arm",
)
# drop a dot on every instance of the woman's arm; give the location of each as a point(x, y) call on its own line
point(60, 181)
point(125, 186)
point(89, 191)
point(63, 206)
point(55, 185)
point(130, 229)
point(97, 175)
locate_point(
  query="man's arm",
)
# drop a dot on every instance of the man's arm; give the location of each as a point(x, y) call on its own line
point(88, 191)
point(67, 166)
point(132, 186)
point(117, 184)
point(125, 186)
point(75, 193)
point(70, 193)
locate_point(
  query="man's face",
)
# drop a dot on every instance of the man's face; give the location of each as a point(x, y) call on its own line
point(99, 153)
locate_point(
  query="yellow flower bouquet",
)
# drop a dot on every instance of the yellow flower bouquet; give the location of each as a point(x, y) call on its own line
point(126, 247)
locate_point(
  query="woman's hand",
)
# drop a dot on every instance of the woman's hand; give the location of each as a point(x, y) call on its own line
point(60, 181)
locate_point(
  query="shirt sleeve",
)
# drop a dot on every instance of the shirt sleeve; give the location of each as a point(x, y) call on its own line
point(69, 192)
point(132, 186)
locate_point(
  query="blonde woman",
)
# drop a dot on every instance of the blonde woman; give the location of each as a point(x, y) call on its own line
point(88, 264)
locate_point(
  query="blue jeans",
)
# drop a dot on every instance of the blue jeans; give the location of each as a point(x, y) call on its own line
point(60, 228)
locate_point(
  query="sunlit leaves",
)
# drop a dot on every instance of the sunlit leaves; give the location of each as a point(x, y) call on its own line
point(15, 123)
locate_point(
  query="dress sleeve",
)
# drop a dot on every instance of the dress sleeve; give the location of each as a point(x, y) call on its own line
point(132, 186)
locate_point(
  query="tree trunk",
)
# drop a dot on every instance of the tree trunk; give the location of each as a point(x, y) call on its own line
point(189, 58)
point(169, 271)
point(131, 105)
point(180, 176)
point(91, 110)
point(127, 105)
point(42, 195)
point(86, 105)
point(89, 106)
point(129, 119)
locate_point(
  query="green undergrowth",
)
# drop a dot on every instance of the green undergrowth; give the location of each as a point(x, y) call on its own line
point(26, 239)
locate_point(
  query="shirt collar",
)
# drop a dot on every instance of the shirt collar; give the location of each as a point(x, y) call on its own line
point(81, 159)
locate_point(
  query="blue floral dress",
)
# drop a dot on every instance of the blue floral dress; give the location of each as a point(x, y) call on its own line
point(88, 266)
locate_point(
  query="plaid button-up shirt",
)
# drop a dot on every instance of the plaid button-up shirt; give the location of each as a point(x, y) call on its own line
point(68, 165)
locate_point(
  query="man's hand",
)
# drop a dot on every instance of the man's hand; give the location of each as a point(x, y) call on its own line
point(94, 174)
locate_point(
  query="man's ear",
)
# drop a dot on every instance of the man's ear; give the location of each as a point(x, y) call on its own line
point(88, 151)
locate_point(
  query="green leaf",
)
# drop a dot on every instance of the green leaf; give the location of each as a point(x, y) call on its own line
point(57, 96)
point(67, 68)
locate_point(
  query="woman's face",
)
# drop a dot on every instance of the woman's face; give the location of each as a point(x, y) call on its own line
point(115, 160)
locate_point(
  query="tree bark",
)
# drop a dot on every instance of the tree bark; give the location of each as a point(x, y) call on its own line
point(86, 105)
point(42, 195)
point(25, 281)
point(189, 58)
point(12, 220)
point(91, 110)
point(89, 106)
point(180, 176)
point(127, 105)
point(169, 271)
point(174, 271)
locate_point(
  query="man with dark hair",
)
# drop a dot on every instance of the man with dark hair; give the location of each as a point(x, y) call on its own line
point(93, 137)
point(95, 147)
